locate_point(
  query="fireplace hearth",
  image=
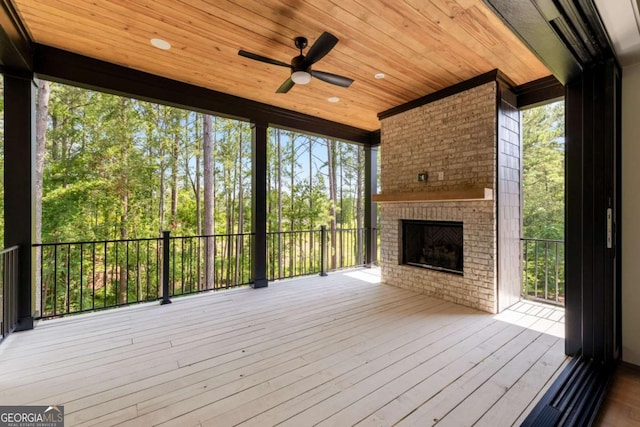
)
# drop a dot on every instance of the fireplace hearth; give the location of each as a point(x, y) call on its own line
point(435, 245)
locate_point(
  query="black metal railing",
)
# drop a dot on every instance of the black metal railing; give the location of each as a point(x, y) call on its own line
point(77, 277)
point(204, 263)
point(543, 270)
point(299, 253)
point(293, 253)
point(8, 290)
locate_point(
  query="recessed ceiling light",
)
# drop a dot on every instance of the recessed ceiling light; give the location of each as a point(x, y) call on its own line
point(160, 44)
point(379, 76)
point(333, 99)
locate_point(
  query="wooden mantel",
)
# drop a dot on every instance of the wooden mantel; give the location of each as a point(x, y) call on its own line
point(470, 194)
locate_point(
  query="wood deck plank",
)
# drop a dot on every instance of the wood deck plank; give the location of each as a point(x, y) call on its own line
point(331, 351)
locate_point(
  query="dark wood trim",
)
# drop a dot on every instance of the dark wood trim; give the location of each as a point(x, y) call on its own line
point(70, 68)
point(491, 76)
point(537, 92)
point(19, 186)
point(259, 145)
point(16, 51)
point(376, 137)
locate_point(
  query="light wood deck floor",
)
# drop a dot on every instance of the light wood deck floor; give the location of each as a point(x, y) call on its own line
point(334, 351)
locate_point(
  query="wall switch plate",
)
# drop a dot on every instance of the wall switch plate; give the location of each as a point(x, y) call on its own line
point(440, 176)
point(422, 177)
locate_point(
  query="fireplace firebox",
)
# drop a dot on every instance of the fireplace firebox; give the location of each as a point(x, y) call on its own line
point(436, 245)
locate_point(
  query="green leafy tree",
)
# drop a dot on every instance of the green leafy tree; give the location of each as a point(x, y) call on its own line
point(543, 172)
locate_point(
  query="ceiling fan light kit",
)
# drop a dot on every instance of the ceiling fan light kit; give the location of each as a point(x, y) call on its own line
point(300, 77)
point(300, 66)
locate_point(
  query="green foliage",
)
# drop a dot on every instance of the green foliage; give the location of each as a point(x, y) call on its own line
point(543, 172)
point(118, 168)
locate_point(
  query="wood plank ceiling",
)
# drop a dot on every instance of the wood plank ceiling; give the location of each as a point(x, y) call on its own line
point(420, 45)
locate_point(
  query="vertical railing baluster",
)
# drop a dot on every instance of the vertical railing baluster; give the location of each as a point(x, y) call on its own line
point(104, 284)
point(138, 292)
point(535, 274)
point(199, 263)
point(546, 269)
point(173, 264)
point(181, 269)
point(126, 275)
point(55, 280)
point(68, 290)
point(215, 264)
point(81, 273)
point(525, 243)
point(43, 302)
point(552, 278)
point(148, 276)
point(93, 276)
point(117, 274)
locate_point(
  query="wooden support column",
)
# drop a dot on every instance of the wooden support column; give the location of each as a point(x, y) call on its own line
point(370, 208)
point(19, 185)
point(259, 203)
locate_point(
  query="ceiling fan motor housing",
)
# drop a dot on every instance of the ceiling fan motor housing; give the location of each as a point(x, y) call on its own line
point(298, 64)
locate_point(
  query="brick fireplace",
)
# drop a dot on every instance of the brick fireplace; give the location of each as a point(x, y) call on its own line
point(468, 146)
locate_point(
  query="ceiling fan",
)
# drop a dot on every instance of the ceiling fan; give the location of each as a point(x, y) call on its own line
point(300, 66)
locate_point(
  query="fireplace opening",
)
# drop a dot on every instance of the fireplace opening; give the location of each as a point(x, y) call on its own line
point(436, 245)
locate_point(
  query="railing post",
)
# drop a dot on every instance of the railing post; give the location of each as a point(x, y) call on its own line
point(323, 250)
point(165, 268)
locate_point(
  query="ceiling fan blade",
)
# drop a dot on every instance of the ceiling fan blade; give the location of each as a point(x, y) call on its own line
point(334, 79)
point(286, 86)
point(261, 58)
point(320, 48)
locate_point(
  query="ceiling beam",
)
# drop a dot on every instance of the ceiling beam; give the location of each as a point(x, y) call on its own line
point(15, 43)
point(538, 92)
point(77, 70)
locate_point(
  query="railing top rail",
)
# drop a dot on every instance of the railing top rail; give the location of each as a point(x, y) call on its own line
point(10, 249)
point(142, 239)
point(314, 230)
point(213, 235)
point(92, 242)
point(534, 239)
